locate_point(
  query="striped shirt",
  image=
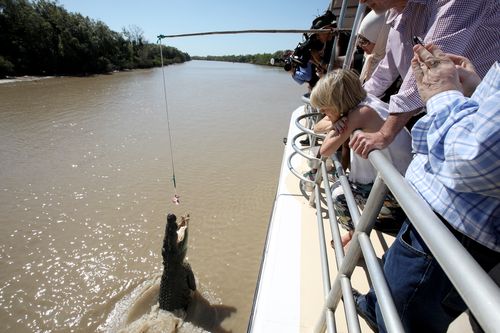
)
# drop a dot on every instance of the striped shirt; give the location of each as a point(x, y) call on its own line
point(456, 168)
point(465, 27)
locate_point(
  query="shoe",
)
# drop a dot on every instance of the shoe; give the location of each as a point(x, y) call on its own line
point(388, 226)
point(307, 186)
point(311, 175)
point(373, 325)
point(332, 178)
point(305, 142)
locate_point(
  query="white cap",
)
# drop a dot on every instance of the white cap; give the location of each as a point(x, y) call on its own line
point(371, 25)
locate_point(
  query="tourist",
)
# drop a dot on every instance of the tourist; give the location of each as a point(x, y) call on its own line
point(456, 170)
point(372, 39)
point(339, 94)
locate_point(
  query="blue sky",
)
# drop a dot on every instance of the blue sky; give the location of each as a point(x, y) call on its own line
point(157, 17)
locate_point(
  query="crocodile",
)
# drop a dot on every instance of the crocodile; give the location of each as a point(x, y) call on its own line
point(177, 282)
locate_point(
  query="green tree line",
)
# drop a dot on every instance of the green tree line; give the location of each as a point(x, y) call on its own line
point(257, 59)
point(42, 38)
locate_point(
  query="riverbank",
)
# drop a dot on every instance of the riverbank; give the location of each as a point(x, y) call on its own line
point(14, 79)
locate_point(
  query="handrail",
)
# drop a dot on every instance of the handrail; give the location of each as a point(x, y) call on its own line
point(479, 292)
point(305, 129)
point(363, 225)
point(313, 161)
point(349, 305)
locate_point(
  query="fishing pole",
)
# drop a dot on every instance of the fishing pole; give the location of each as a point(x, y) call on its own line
point(257, 31)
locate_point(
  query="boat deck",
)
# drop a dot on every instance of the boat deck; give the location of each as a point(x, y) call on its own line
point(290, 294)
point(290, 291)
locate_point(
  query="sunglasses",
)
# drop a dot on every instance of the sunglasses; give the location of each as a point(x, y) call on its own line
point(362, 41)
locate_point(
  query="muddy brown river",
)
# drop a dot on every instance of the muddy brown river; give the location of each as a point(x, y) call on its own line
point(86, 183)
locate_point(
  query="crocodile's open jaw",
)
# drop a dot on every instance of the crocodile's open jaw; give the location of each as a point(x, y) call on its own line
point(182, 228)
point(177, 236)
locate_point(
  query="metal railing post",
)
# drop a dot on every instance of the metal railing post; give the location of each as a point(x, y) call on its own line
point(349, 306)
point(366, 221)
point(340, 24)
point(352, 41)
point(330, 318)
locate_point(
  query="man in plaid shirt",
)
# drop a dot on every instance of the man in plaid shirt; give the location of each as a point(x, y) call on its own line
point(456, 170)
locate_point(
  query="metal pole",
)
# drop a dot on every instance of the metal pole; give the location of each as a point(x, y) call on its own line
point(349, 306)
point(332, 4)
point(330, 319)
point(384, 297)
point(351, 257)
point(339, 250)
point(371, 210)
point(346, 187)
point(366, 221)
point(254, 31)
point(340, 24)
point(352, 41)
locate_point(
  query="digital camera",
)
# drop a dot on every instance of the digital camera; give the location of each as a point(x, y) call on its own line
point(303, 50)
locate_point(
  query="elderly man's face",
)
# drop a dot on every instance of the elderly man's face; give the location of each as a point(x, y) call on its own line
point(380, 6)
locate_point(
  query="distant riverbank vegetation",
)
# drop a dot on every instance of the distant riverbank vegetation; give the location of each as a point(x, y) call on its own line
point(42, 38)
point(257, 59)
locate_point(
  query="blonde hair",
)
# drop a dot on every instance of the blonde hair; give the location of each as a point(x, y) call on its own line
point(340, 89)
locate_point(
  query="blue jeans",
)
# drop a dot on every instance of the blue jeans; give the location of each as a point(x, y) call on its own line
point(424, 297)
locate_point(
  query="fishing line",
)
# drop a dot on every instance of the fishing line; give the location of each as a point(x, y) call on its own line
point(175, 198)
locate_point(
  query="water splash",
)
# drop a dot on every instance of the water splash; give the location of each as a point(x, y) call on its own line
point(139, 312)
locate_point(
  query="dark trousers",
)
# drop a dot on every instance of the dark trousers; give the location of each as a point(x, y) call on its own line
point(425, 299)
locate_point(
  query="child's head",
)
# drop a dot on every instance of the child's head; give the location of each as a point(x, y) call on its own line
point(339, 91)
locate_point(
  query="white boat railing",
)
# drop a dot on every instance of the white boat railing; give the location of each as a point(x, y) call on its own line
point(477, 289)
